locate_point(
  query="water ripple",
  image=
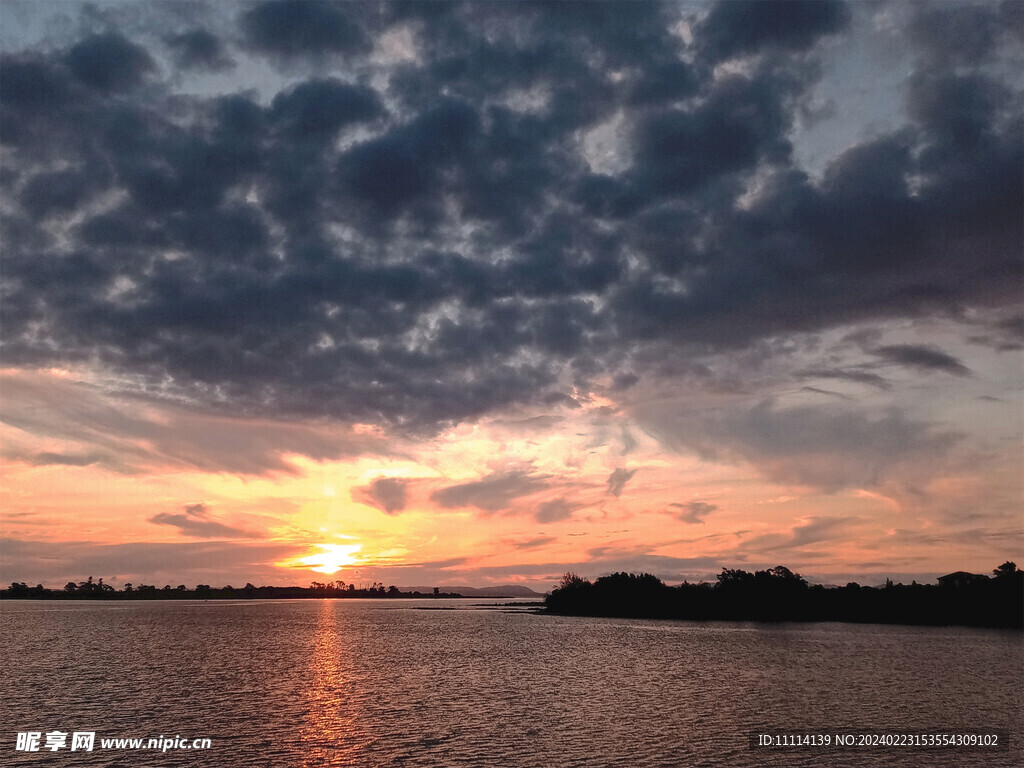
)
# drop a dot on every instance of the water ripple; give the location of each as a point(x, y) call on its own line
point(365, 683)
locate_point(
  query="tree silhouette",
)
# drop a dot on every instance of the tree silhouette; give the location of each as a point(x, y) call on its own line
point(779, 594)
point(571, 580)
point(1005, 570)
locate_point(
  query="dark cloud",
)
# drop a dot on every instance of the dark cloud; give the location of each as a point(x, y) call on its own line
point(109, 62)
point(617, 480)
point(1004, 334)
point(407, 164)
point(693, 511)
point(678, 151)
point(1012, 326)
point(419, 243)
point(303, 28)
point(847, 374)
point(959, 34)
point(495, 492)
point(735, 27)
point(388, 494)
point(195, 521)
point(317, 109)
point(61, 191)
point(199, 49)
point(923, 357)
point(624, 381)
point(957, 110)
point(818, 391)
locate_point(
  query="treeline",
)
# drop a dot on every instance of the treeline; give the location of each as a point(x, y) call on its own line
point(97, 590)
point(778, 594)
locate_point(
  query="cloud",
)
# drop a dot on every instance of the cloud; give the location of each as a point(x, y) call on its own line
point(1004, 334)
point(315, 110)
point(825, 447)
point(199, 49)
point(109, 62)
point(554, 510)
point(403, 168)
point(922, 357)
point(615, 551)
point(746, 26)
point(857, 376)
point(440, 565)
point(693, 511)
point(367, 250)
point(302, 28)
point(217, 563)
point(960, 34)
point(814, 531)
point(49, 458)
point(614, 560)
point(388, 494)
point(617, 480)
point(818, 391)
point(534, 543)
point(130, 433)
point(494, 492)
point(195, 521)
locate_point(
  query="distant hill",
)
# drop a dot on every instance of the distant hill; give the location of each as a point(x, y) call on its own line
point(507, 590)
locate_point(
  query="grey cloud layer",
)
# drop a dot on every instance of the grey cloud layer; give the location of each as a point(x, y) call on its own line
point(829, 448)
point(196, 522)
point(617, 480)
point(131, 434)
point(420, 242)
point(388, 494)
point(494, 492)
point(693, 511)
point(210, 562)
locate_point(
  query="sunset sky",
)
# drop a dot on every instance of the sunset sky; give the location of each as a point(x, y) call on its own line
point(441, 293)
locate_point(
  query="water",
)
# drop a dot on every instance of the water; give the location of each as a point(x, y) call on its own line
point(399, 683)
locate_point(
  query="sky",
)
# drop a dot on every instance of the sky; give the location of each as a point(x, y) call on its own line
point(482, 293)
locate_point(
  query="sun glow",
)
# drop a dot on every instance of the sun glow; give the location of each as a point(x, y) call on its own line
point(332, 559)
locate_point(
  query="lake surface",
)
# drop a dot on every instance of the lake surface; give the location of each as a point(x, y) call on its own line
point(444, 683)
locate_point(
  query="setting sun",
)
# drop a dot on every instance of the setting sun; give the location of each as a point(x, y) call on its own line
point(332, 559)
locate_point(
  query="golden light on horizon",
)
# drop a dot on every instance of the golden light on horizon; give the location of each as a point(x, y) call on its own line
point(331, 559)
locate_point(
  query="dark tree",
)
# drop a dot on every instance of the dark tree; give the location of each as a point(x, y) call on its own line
point(1005, 570)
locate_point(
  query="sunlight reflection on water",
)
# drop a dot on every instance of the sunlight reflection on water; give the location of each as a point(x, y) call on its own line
point(329, 734)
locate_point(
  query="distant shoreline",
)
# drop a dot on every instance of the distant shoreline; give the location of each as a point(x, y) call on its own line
point(24, 592)
point(57, 597)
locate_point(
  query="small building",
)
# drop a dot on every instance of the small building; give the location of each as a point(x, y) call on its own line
point(960, 579)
